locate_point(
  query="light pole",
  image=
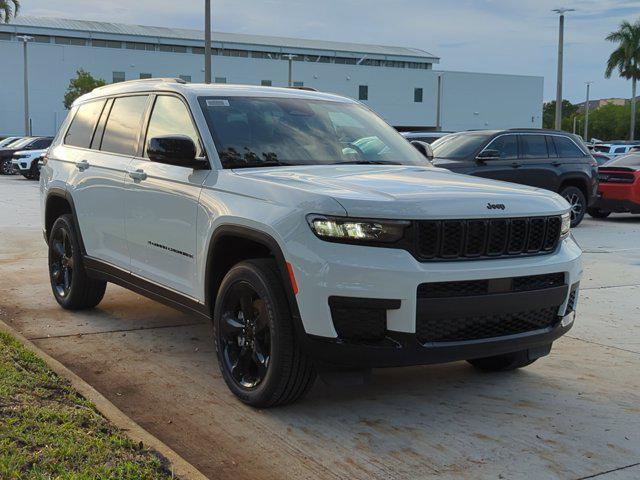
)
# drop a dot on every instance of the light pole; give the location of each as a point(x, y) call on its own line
point(290, 56)
point(207, 41)
point(586, 114)
point(25, 39)
point(561, 12)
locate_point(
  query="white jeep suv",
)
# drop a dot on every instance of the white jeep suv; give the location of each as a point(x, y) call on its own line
point(314, 236)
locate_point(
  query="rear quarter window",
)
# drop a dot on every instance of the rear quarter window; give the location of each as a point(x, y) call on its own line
point(566, 148)
point(81, 129)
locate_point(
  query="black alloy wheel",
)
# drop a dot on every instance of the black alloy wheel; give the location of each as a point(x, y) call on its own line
point(61, 262)
point(245, 335)
point(577, 202)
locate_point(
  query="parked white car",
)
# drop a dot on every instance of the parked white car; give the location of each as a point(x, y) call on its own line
point(311, 233)
point(8, 141)
point(27, 162)
point(427, 137)
point(615, 150)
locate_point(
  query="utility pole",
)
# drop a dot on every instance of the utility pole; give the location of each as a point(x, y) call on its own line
point(575, 117)
point(439, 105)
point(561, 12)
point(290, 56)
point(207, 41)
point(27, 125)
point(586, 114)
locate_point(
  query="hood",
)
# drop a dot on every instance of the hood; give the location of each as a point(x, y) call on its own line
point(410, 192)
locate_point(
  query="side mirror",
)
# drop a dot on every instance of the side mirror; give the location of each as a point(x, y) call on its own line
point(488, 155)
point(424, 148)
point(178, 150)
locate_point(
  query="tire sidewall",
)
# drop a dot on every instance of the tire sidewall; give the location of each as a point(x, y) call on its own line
point(248, 272)
point(567, 191)
point(66, 222)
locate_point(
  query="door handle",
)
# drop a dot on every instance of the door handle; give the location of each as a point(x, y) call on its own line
point(83, 165)
point(516, 165)
point(556, 164)
point(138, 175)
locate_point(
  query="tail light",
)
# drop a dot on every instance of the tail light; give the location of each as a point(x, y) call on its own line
point(44, 158)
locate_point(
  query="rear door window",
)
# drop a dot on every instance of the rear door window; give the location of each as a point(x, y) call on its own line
point(533, 146)
point(123, 125)
point(620, 150)
point(566, 148)
point(507, 145)
point(81, 129)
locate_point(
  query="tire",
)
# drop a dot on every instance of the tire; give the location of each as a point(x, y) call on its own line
point(71, 286)
point(6, 168)
point(258, 354)
point(503, 363)
point(578, 203)
point(597, 213)
point(34, 171)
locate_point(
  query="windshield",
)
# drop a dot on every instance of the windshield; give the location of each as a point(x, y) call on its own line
point(265, 132)
point(18, 143)
point(458, 146)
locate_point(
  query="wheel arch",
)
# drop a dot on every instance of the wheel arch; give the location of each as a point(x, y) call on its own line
point(60, 202)
point(231, 244)
point(579, 182)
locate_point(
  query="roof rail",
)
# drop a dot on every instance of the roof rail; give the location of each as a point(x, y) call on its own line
point(308, 89)
point(143, 80)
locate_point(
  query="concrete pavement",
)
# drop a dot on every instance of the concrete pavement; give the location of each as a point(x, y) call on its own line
point(574, 414)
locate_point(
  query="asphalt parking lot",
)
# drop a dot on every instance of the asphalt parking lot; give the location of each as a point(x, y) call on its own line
point(574, 414)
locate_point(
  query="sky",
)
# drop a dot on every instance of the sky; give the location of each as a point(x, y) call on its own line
point(497, 36)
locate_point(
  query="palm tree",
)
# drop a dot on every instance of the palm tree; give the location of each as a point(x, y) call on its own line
point(8, 9)
point(626, 59)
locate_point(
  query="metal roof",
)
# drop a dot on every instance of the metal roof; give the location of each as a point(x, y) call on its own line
point(218, 37)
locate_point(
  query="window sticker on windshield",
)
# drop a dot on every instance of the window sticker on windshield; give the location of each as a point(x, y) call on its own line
point(217, 102)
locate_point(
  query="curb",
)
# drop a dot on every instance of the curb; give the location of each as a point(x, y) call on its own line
point(179, 466)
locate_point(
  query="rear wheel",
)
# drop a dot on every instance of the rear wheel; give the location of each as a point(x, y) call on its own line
point(597, 213)
point(258, 354)
point(71, 286)
point(503, 363)
point(578, 204)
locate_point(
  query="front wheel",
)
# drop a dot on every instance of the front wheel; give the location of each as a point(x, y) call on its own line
point(257, 351)
point(6, 167)
point(578, 204)
point(597, 213)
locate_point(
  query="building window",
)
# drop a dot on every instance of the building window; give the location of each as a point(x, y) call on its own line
point(197, 50)
point(172, 48)
point(140, 46)
point(363, 92)
point(220, 80)
point(298, 84)
point(145, 75)
point(70, 41)
point(106, 43)
point(186, 78)
point(265, 83)
point(5, 36)
point(417, 95)
point(118, 77)
point(230, 52)
point(99, 43)
point(43, 39)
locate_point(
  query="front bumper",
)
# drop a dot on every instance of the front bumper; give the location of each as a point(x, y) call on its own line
point(326, 270)
point(404, 349)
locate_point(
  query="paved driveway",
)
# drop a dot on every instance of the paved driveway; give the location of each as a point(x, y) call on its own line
point(575, 414)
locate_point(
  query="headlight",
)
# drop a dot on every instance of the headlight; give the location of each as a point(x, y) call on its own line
point(565, 228)
point(343, 229)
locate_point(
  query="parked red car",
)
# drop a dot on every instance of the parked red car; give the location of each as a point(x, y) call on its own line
point(619, 189)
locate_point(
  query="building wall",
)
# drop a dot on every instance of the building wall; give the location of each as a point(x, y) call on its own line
point(469, 100)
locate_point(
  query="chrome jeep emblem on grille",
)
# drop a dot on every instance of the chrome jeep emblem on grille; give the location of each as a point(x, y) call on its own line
point(496, 206)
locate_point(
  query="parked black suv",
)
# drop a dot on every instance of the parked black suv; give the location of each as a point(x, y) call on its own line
point(27, 143)
point(548, 159)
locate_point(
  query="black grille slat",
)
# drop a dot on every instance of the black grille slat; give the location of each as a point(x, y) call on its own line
point(485, 326)
point(481, 287)
point(495, 238)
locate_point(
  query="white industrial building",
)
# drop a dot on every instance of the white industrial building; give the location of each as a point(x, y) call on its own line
point(399, 83)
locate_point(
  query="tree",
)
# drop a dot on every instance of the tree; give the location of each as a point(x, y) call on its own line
point(81, 84)
point(549, 113)
point(8, 10)
point(626, 59)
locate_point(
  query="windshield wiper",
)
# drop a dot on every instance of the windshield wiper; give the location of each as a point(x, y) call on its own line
point(367, 162)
